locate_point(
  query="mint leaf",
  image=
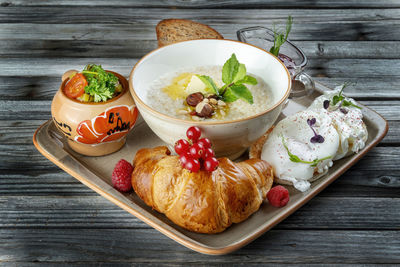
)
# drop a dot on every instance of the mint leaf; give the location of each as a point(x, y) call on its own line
point(209, 83)
point(241, 91)
point(229, 96)
point(230, 69)
point(336, 99)
point(340, 98)
point(248, 80)
point(349, 103)
point(240, 74)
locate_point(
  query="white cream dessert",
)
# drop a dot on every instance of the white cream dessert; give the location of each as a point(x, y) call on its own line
point(302, 146)
point(347, 119)
point(308, 135)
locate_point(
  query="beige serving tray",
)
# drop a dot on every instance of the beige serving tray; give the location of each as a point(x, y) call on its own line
point(95, 172)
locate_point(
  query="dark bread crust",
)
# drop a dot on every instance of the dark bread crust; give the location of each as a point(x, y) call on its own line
point(176, 30)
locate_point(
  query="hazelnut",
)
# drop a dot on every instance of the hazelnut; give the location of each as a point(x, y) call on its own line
point(221, 103)
point(213, 101)
point(194, 99)
point(204, 110)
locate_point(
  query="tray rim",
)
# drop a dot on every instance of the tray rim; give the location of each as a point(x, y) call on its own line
point(193, 244)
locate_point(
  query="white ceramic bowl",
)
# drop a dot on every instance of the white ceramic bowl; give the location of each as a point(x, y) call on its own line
point(229, 138)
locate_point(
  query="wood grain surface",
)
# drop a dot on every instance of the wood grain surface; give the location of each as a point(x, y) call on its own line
point(49, 218)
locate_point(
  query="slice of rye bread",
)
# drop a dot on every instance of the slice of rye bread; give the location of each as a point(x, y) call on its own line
point(176, 30)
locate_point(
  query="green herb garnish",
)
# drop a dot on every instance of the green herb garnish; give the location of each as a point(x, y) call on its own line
point(280, 37)
point(101, 84)
point(341, 99)
point(234, 77)
point(295, 158)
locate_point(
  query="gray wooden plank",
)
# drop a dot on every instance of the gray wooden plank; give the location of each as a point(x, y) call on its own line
point(123, 23)
point(55, 67)
point(15, 110)
point(138, 47)
point(50, 181)
point(208, 264)
point(268, 4)
point(95, 212)
point(322, 68)
point(127, 15)
point(44, 88)
point(149, 246)
point(361, 31)
point(18, 132)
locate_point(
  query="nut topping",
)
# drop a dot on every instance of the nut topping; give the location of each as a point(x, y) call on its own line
point(213, 101)
point(194, 99)
point(221, 103)
point(204, 110)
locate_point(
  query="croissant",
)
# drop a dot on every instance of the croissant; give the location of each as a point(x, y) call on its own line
point(203, 202)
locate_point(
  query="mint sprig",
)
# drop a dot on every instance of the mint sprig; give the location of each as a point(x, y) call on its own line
point(234, 77)
point(280, 37)
point(339, 98)
point(295, 158)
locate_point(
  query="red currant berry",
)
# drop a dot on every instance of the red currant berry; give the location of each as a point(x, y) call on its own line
point(210, 164)
point(196, 150)
point(183, 158)
point(192, 165)
point(193, 133)
point(208, 153)
point(205, 142)
point(181, 146)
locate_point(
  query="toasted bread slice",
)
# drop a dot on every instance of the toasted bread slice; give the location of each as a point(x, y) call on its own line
point(175, 30)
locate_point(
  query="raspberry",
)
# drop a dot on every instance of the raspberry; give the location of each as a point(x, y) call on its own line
point(278, 196)
point(121, 176)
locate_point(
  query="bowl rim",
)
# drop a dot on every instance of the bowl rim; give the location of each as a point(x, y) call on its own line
point(200, 123)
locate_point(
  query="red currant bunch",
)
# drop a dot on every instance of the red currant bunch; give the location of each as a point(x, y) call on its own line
point(196, 152)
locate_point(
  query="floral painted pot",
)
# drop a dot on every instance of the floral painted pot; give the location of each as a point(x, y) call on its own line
point(94, 129)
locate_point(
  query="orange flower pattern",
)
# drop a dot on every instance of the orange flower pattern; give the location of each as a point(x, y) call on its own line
point(108, 126)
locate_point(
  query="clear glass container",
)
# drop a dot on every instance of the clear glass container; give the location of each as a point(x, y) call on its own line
point(292, 56)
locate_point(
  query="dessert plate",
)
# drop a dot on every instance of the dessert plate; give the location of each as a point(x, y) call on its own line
point(95, 172)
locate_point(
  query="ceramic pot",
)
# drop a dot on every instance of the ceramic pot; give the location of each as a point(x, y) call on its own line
point(94, 129)
point(229, 138)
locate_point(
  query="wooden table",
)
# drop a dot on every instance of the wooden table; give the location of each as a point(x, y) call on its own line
point(48, 217)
